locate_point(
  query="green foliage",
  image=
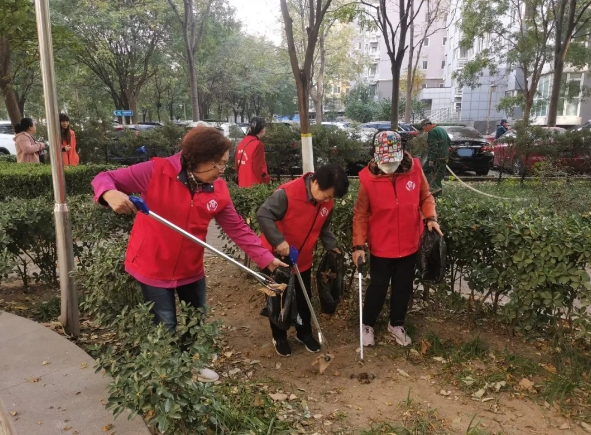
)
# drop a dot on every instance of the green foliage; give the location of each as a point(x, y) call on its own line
point(360, 105)
point(7, 158)
point(34, 181)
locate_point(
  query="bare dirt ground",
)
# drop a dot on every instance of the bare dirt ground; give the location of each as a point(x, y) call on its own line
point(340, 400)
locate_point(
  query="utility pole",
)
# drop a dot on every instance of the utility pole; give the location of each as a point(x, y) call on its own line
point(70, 315)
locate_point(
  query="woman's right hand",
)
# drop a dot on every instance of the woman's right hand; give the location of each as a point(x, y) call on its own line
point(119, 202)
point(359, 253)
point(283, 249)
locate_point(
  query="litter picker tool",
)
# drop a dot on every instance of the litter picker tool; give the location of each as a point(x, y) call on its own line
point(264, 280)
point(360, 263)
point(325, 358)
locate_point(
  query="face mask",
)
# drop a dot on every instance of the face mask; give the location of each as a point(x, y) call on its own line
point(389, 168)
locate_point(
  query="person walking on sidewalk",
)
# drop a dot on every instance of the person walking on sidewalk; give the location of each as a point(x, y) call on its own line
point(250, 163)
point(185, 189)
point(297, 214)
point(393, 193)
point(438, 152)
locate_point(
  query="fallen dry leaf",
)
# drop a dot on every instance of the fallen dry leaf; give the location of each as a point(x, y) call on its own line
point(108, 427)
point(425, 346)
point(46, 363)
point(549, 368)
point(479, 393)
point(403, 373)
point(67, 427)
point(586, 426)
point(526, 384)
point(564, 426)
point(278, 396)
point(445, 393)
point(83, 365)
point(13, 413)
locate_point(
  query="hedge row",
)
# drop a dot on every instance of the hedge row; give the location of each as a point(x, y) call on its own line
point(33, 181)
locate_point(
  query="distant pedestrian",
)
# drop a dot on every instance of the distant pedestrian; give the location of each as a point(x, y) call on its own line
point(438, 152)
point(250, 163)
point(69, 154)
point(502, 129)
point(27, 148)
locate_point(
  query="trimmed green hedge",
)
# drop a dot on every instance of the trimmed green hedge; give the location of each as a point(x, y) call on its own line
point(33, 181)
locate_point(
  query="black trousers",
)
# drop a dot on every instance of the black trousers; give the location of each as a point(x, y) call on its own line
point(399, 272)
point(305, 328)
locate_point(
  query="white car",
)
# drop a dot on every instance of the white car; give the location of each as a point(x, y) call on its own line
point(7, 145)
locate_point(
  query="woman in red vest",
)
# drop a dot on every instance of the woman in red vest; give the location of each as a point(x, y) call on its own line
point(69, 153)
point(250, 164)
point(187, 190)
point(297, 214)
point(393, 193)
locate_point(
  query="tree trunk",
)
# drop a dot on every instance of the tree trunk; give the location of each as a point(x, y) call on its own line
point(395, 94)
point(320, 81)
point(193, 86)
point(6, 85)
point(529, 102)
point(409, 74)
point(556, 87)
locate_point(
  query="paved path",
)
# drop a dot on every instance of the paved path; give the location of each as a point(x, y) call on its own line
point(51, 385)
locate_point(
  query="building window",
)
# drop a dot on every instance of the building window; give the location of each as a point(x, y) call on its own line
point(444, 41)
point(541, 99)
point(424, 85)
point(373, 48)
point(442, 64)
point(425, 64)
point(568, 105)
point(442, 85)
point(372, 70)
point(426, 42)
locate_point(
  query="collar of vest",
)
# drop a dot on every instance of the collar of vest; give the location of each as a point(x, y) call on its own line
point(380, 177)
point(172, 168)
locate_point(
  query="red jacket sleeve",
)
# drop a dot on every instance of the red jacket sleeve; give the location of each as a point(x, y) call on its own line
point(259, 164)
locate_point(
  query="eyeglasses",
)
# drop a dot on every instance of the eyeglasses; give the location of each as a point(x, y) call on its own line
point(220, 168)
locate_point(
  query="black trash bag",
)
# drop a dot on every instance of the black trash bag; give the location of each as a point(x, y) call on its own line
point(329, 280)
point(432, 256)
point(282, 309)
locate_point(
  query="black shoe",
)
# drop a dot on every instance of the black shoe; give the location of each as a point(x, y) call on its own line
point(282, 347)
point(310, 342)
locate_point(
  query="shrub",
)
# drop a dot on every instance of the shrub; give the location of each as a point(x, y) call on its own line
point(7, 158)
point(34, 181)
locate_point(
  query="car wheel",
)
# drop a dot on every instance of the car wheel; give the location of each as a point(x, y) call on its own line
point(482, 173)
point(518, 166)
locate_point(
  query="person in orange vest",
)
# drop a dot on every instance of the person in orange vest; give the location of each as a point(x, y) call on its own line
point(297, 214)
point(250, 163)
point(69, 153)
point(393, 193)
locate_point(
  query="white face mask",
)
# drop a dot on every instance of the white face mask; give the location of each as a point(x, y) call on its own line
point(389, 168)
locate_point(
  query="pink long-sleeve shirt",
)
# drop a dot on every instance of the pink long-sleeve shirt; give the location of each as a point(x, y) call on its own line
point(136, 179)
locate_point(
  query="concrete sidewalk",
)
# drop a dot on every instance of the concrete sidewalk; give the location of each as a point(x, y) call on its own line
point(50, 384)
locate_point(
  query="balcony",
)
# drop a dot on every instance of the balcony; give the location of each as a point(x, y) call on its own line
point(461, 63)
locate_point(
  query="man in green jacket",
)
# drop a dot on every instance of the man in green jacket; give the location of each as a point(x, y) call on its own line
point(438, 152)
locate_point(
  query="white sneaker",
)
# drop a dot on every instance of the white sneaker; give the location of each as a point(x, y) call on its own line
point(399, 334)
point(207, 375)
point(367, 336)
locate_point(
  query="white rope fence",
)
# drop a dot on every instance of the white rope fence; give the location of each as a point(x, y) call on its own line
point(480, 192)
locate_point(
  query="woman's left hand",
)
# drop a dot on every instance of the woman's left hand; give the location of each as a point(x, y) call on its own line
point(432, 225)
point(275, 264)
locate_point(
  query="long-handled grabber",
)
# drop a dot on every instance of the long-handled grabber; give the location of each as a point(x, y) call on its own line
point(264, 280)
point(326, 357)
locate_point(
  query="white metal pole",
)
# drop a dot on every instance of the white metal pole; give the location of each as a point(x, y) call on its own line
point(70, 316)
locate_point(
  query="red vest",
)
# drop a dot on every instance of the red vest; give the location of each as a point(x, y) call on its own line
point(302, 222)
point(244, 162)
point(157, 252)
point(395, 224)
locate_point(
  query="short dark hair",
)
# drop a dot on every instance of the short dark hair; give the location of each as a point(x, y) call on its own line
point(201, 145)
point(332, 175)
point(23, 125)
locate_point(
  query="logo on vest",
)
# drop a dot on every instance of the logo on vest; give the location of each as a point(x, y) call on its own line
point(212, 205)
point(410, 186)
point(324, 212)
point(243, 157)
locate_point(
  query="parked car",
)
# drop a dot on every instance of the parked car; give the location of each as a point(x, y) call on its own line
point(368, 130)
point(507, 158)
point(469, 151)
point(585, 126)
point(7, 145)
